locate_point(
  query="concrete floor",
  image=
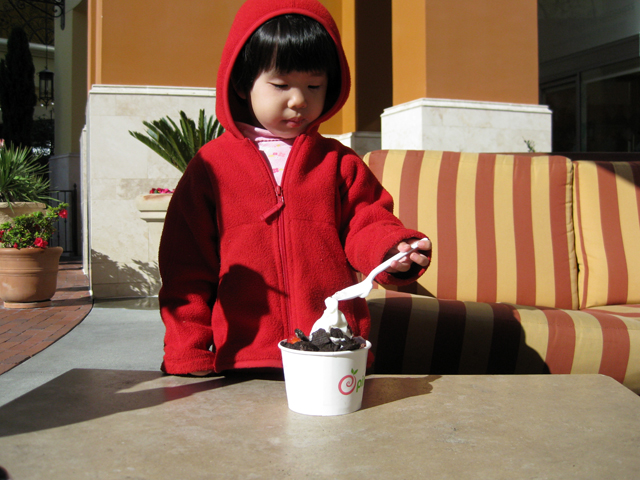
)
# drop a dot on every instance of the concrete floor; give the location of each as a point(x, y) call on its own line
point(117, 335)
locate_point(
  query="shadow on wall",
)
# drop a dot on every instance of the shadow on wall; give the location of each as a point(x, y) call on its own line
point(111, 279)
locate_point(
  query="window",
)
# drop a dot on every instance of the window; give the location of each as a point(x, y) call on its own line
point(597, 110)
point(563, 102)
point(611, 116)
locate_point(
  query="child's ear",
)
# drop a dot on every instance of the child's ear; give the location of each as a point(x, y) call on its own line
point(239, 92)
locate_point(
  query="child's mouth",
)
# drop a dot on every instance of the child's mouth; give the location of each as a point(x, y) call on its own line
point(294, 122)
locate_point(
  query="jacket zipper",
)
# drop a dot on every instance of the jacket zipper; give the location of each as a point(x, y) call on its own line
point(283, 260)
point(281, 234)
point(279, 204)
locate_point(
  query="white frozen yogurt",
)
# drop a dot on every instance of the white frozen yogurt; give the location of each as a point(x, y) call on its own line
point(332, 318)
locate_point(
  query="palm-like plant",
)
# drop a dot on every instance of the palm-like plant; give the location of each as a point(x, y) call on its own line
point(178, 145)
point(22, 176)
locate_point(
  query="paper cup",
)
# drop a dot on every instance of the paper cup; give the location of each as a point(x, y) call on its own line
point(324, 383)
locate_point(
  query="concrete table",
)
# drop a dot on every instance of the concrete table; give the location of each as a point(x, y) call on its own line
point(113, 424)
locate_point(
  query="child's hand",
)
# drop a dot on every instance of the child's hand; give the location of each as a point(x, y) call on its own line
point(404, 263)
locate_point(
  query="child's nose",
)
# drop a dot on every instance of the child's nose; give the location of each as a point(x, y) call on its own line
point(297, 99)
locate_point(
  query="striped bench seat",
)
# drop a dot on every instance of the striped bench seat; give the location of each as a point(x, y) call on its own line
point(535, 268)
point(415, 334)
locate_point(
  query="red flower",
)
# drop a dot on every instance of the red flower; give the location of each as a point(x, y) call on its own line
point(153, 190)
point(63, 213)
point(40, 243)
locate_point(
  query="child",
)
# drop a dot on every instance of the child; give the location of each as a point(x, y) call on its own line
point(271, 218)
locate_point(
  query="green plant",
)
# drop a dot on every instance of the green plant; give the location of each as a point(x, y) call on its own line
point(22, 177)
point(531, 145)
point(32, 230)
point(178, 145)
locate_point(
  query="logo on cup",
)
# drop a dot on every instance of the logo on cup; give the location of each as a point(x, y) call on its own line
point(348, 384)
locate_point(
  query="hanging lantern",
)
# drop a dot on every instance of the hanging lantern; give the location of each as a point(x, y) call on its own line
point(45, 90)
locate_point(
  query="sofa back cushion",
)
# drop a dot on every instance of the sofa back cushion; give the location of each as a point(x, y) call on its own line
point(501, 224)
point(607, 216)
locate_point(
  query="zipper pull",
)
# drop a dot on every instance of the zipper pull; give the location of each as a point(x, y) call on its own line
point(280, 197)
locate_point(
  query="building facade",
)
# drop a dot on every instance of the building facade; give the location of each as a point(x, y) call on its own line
point(590, 74)
point(465, 75)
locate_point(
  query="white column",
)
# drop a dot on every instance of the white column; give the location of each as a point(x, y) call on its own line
point(117, 169)
point(361, 142)
point(466, 126)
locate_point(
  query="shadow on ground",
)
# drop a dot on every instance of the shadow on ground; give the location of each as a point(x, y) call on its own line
point(81, 395)
point(381, 390)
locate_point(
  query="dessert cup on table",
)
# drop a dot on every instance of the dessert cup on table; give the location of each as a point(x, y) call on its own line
point(324, 383)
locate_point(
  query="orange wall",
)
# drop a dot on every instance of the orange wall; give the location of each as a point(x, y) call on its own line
point(466, 49)
point(159, 42)
point(409, 50)
point(348, 35)
point(459, 49)
point(168, 43)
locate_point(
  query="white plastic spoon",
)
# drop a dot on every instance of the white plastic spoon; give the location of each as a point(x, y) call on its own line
point(363, 288)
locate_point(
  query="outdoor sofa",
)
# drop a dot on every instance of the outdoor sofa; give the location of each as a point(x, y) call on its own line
point(535, 269)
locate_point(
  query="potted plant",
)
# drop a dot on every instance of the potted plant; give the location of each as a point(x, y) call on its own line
point(28, 266)
point(23, 184)
point(177, 144)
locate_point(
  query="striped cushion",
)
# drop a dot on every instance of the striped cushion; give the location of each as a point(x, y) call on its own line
point(501, 224)
point(607, 217)
point(414, 334)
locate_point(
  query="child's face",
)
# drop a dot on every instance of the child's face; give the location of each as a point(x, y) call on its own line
point(286, 103)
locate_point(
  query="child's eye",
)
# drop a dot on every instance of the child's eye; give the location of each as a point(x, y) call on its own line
point(314, 87)
point(280, 86)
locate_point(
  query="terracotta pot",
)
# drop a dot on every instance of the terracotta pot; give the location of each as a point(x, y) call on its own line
point(28, 276)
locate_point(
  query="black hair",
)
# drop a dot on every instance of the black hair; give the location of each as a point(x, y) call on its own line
point(289, 43)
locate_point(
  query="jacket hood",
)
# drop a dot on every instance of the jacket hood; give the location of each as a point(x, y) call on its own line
point(250, 17)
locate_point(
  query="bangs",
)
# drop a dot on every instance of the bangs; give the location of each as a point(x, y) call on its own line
point(294, 42)
point(289, 43)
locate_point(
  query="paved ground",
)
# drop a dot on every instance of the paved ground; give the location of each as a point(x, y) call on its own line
point(39, 345)
point(25, 332)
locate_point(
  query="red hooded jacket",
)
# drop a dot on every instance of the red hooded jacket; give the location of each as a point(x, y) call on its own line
point(244, 262)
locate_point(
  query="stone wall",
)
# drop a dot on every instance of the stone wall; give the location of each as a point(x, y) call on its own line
point(119, 253)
